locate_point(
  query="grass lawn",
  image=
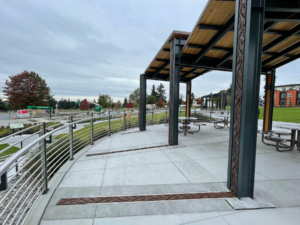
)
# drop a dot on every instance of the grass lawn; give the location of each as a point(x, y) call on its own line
point(8, 152)
point(287, 114)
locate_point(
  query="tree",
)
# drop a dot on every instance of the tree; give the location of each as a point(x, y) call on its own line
point(193, 97)
point(160, 103)
point(129, 105)
point(134, 97)
point(151, 99)
point(84, 105)
point(161, 92)
point(105, 101)
point(26, 89)
point(92, 106)
point(181, 101)
point(118, 105)
point(3, 106)
point(125, 102)
point(153, 91)
point(199, 101)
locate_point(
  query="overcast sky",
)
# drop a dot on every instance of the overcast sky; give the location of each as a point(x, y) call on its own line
point(83, 48)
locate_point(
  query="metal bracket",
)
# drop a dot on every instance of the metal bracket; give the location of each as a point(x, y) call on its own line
point(74, 126)
point(49, 141)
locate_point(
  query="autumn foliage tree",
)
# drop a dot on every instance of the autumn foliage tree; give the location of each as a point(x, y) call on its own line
point(160, 103)
point(84, 105)
point(26, 89)
point(129, 105)
point(199, 101)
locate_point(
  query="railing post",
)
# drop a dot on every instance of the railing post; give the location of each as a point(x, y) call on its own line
point(152, 116)
point(92, 130)
point(43, 148)
point(109, 133)
point(71, 138)
point(124, 120)
point(3, 184)
point(166, 116)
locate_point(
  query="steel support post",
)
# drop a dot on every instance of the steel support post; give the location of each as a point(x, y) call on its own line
point(92, 130)
point(3, 184)
point(124, 120)
point(175, 49)
point(269, 101)
point(188, 99)
point(248, 38)
point(71, 139)
point(152, 117)
point(109, 133)
point(143, 86)
point(43, 148)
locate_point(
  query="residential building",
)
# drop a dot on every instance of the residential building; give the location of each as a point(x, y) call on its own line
point(287, 95)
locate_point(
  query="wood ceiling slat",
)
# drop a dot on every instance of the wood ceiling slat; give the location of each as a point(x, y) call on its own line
point(215, 54)
point(276, 61)
point(285, 44)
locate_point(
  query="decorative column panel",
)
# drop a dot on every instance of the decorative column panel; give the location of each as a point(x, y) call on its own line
point(188, 98)
point(248, 38)
point(174, 90)
point(143, 86)
point(269, 101)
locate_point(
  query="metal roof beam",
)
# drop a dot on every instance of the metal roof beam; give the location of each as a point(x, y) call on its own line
point(220, 34)
point(282, 53)
point(213, 48)
point(209, 27)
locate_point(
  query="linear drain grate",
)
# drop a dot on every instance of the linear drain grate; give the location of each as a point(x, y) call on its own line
point(128, 150)
point(144, 198)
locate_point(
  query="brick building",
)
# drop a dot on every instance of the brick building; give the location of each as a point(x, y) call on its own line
point(288, 95)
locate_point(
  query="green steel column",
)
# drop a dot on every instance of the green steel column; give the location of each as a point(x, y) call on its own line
point(174, 90)
point(248, 39)
point(143, 86)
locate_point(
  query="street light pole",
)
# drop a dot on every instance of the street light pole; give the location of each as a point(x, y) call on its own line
point(50, 106)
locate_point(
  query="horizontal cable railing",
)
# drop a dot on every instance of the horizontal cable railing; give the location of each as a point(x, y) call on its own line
point(26, 173)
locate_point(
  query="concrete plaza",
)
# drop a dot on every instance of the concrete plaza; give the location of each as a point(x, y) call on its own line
point(197, 164)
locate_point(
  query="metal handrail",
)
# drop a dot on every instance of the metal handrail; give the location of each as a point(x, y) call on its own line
point(43, 157)
point(19, 132)
point(18, 154)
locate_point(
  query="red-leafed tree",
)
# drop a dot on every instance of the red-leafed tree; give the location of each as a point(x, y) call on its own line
point(199, 101)
point(84, 105)
point(129, 105)
point(160, 103)
point(26, 89)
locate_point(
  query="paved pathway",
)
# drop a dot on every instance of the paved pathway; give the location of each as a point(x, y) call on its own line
point(197, 164)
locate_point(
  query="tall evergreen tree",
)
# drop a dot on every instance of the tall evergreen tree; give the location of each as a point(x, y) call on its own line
point(161, 91)
point(153, 91)
point(125, 102)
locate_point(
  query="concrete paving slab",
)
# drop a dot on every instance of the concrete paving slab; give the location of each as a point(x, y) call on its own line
point(211, 221)
point(162, 207)
point(279, 216)
point(83, 178)
point(190, 153)
point(69, 212)
point(277, 168)
point(283, 193)
point(249, 203)
point(93, 164)
point(175, 219)
point(68, 222)
point(161, 189)
point(141, 159)
point(165, 173)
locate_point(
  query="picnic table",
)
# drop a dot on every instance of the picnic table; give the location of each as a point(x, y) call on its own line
point(295, 135)
point(185, 125)
point(224, 121)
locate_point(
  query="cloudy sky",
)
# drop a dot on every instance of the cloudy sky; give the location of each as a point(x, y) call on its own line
point(83, 48)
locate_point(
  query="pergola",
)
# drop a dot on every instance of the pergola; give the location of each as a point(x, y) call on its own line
point(247, 37)
point(221, 100)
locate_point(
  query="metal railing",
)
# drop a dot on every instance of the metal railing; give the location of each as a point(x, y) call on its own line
point(26, 173)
